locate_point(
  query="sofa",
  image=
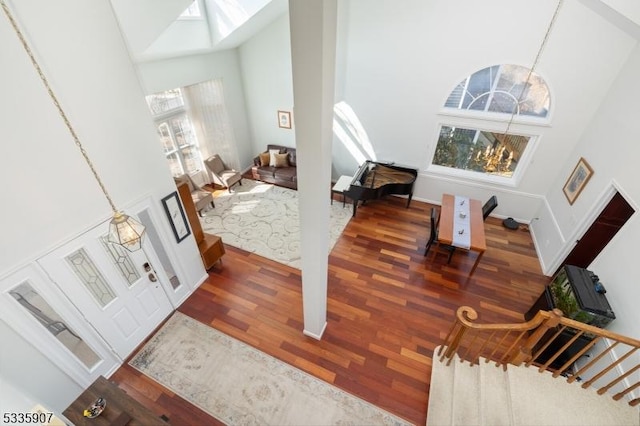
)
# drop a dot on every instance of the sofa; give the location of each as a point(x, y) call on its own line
point(276, 165)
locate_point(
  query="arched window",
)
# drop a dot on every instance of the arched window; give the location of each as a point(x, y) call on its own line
point(487, 103)
point(503, 89)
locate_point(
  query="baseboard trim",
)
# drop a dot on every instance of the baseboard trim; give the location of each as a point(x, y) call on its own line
point(314, 335)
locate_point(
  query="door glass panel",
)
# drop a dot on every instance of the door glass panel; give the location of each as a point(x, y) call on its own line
point(89, 275)
point(120, 257)
point(152, 234)
point(30, 300)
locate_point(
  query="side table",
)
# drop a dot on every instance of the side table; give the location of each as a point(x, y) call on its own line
point(120, 410)
point(211, 250)
point(342, 185)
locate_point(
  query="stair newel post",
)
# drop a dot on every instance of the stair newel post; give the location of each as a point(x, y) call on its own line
point(464, 315)
point(550, 320)
point(447, 343)
point(456, 334)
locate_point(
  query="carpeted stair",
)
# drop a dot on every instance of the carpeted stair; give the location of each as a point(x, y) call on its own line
point(464, 394)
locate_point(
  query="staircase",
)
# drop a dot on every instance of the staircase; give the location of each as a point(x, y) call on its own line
point(485, 394)
point(547, 371)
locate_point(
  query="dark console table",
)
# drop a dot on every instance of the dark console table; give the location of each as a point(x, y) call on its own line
point(120, 409)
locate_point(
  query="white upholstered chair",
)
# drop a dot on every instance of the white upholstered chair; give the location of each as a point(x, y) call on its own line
point(202, 198)
point(221, 174)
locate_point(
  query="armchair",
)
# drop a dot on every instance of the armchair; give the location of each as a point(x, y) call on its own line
point(221, 174)
point(201, 198)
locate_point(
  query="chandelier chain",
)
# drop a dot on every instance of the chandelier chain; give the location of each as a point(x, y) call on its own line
point(534, 65)
point(56, 103)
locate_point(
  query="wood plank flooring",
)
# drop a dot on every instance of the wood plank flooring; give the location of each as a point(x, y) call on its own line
point(389, 307)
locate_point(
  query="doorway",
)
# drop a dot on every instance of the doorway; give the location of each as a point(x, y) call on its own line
point(614, 215)
point(118, 291)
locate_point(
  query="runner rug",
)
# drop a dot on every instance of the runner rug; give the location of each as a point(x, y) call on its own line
point(240, 385)
point(263, 219)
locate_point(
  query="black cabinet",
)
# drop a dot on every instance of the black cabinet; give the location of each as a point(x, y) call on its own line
point(580, 295)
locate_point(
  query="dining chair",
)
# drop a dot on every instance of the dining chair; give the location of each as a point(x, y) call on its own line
point(489, 206)
point(433, 236)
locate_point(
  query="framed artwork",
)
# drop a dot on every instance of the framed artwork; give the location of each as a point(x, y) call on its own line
point(577, 180)
point(284, 119)
point(176, 216)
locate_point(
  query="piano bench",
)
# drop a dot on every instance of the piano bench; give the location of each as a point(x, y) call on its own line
point(342, 185)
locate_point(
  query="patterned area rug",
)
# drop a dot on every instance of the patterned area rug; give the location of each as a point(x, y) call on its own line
point(240, 385)
point(263, 219)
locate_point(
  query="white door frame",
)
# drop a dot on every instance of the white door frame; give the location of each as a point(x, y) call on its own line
point(131, 310)
point(180, 294)
point(32, 331)
point(24, 324)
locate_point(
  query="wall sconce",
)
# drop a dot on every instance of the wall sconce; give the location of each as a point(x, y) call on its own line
point(123, 229)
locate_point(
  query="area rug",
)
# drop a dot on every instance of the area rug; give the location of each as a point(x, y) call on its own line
point(263, 219)
point(240, 385)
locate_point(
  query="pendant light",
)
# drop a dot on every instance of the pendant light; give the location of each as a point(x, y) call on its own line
point(123, 229)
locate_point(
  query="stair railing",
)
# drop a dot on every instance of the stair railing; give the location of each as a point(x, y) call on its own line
point(550, 342)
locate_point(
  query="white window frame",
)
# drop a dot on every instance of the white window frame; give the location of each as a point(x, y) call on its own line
point(487, 126)
point(164, 118)
point(24, 324)
point(489, 121)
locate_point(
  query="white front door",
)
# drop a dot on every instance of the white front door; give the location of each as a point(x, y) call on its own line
point(116, 290)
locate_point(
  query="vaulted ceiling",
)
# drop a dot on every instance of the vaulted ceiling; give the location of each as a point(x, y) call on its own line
point(153, 30)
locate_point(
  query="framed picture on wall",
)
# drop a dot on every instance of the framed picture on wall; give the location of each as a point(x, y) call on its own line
point(284, 119)
point(177, 218)
point(577, 180)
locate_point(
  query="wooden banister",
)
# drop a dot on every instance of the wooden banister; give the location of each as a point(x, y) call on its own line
point(528, 342)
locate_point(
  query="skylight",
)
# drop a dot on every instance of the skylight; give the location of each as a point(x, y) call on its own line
point(193, 11)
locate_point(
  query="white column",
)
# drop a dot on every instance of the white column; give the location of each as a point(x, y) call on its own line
point(313, 46)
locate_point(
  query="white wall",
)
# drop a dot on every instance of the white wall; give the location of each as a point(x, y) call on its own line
point(157, 76)
point(265, 62)
point(140, 27)
point(404, 58)
point(181, 36)
point(398, 61)
point(629, 8)
point(32, 376)
point(50, 194)
point(610, 146)
point(12, 399)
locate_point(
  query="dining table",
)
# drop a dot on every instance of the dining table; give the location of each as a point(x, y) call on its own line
point(462, 225)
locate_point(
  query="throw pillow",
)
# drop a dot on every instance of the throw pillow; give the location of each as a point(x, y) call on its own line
point(272, 158)
point(281, 160)
point(265, 157)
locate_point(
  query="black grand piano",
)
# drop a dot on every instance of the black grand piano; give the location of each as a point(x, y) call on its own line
point(376, 179)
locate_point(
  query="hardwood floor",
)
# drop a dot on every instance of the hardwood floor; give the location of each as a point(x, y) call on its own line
point(389, 307)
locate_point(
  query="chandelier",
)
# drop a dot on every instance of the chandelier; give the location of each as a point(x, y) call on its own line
point(123, 229)
point(499, 155)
